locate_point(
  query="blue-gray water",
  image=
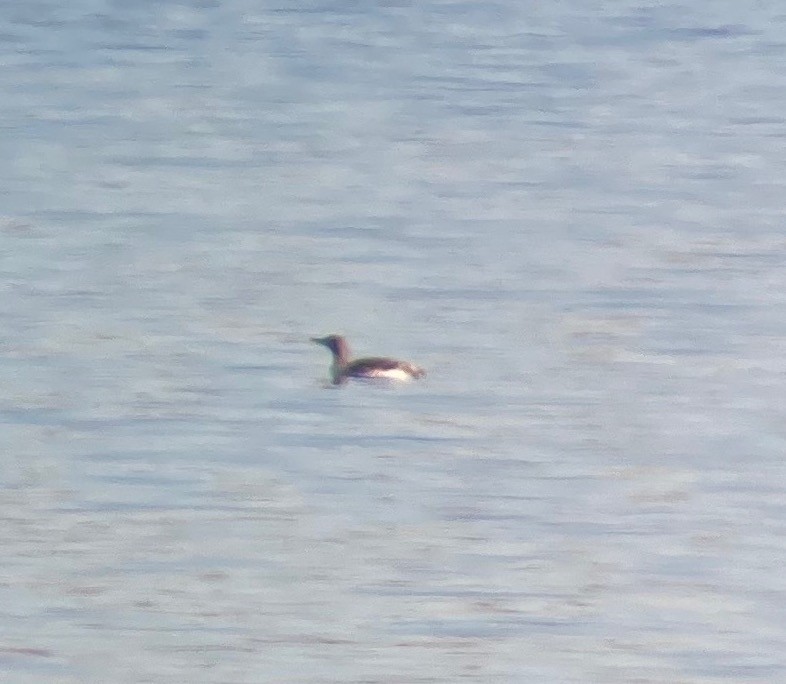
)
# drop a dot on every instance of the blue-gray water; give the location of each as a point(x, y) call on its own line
point(571, 213)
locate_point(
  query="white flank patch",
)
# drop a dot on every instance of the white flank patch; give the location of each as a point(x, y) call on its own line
point(392, 374)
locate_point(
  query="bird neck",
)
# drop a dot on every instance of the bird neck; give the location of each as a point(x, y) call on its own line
point(337, 371)
point(341, 355)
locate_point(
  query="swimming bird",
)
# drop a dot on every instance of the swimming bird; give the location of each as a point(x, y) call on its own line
point(372, 367)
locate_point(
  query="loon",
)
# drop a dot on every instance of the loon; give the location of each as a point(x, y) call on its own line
point(371, 368)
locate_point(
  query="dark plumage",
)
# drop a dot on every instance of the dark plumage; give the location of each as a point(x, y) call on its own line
point(343, 368)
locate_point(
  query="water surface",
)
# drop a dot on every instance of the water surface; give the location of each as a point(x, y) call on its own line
point(569, 213)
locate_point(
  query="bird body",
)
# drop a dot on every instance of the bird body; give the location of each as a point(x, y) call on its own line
point(376, 367)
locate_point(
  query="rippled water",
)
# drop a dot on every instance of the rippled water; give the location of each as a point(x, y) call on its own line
point(570, 213)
